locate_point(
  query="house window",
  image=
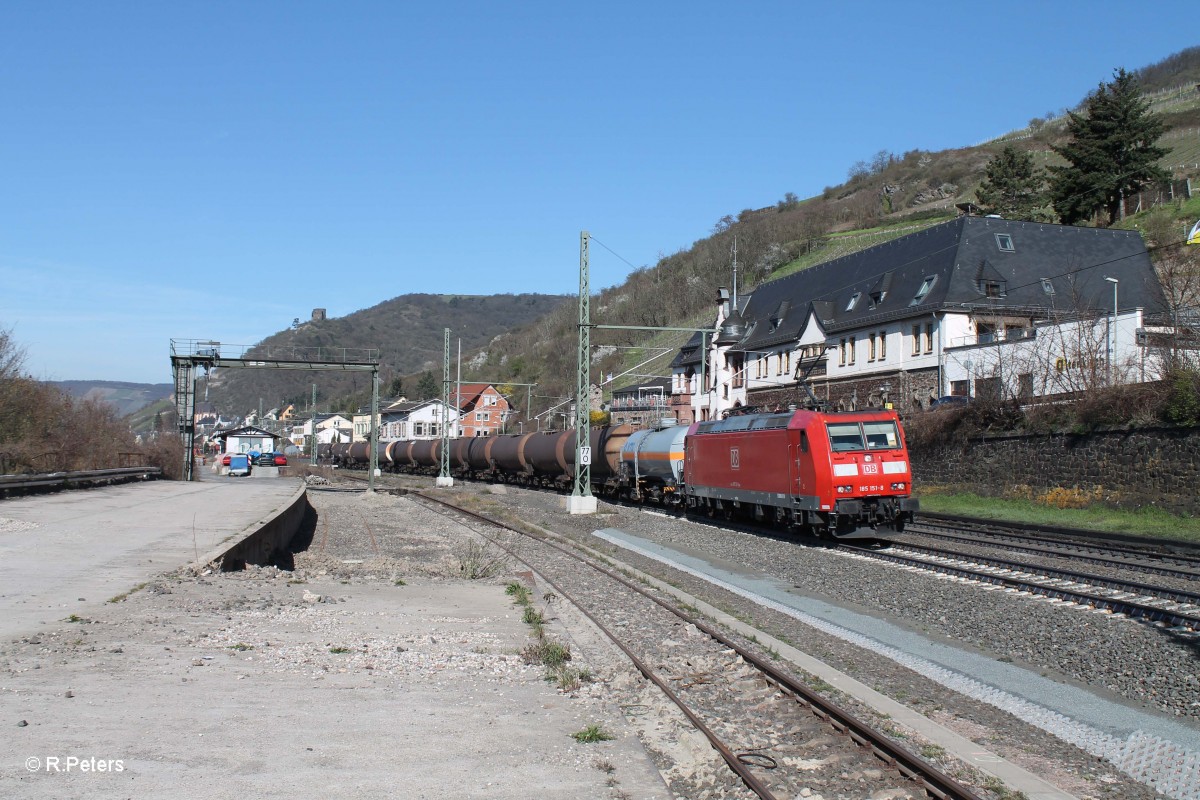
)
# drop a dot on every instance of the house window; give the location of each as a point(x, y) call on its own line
point(852, 349)
point(853, 301)
point(787, 363)
point(883, 345)
point(928, 337)
point(871, 347)
point(960, 388)
point(842, 353)
point(926, 285)
point(916, 340)
point(1005, 242)
point(418, 429)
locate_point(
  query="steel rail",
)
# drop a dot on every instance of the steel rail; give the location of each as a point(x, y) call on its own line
point(1060, 549)
point(935, 782)
point(1074, 536)
point(1117, 605)
point(1118, 584)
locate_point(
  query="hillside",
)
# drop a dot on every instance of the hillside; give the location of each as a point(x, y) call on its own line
point(126, 398)
point(408, 332)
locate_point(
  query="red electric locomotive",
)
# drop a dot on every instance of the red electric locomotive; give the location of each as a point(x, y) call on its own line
point(843, 475)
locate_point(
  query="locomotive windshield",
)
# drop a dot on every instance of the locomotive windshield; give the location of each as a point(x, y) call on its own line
point(846, 436)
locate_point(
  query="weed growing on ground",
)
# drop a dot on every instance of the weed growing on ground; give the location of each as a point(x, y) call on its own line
point(477, 560)
point(518, 592)
point(339, 650)
point(547, 652)
point(933, 751)
point(567, 678)
point(1002, 792)
point(592, 733)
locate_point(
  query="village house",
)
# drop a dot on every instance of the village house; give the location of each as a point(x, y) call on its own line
point(247, 439)
point(407, 419)
point(483, 409)
point(978, 306)
point(331, 429)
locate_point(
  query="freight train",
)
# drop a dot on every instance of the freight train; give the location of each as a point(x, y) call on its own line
point(838, 475)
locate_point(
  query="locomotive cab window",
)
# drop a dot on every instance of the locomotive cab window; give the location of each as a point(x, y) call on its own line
point(847, 436)
point(881, 435)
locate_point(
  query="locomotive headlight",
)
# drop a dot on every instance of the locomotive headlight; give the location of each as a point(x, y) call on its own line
point(845, 489)
point(898, 487)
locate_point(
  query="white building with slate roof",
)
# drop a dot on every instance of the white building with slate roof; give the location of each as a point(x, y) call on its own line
point(971, 307)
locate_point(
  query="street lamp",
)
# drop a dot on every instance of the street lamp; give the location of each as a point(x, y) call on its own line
point(1113, 332)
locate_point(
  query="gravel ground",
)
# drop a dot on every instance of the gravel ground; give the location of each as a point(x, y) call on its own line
point(371, 670)
point(1139, 663)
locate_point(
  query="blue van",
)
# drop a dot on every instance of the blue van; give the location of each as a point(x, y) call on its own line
point(239, 464)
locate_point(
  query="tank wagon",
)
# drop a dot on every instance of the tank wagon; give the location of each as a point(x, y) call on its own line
point(842, 475)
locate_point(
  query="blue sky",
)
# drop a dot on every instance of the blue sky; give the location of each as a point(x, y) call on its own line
point(213, 170)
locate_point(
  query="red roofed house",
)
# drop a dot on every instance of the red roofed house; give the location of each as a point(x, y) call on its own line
point(484, 409)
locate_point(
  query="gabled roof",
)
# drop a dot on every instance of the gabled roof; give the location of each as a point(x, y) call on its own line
point(468, 394)
point(948, 267)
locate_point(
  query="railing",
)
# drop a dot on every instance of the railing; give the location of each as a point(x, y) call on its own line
point(52, 481)
point(993, 338)
point(203, 348)
point(639, 403)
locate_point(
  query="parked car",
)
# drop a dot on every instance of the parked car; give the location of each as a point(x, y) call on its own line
point(950, 401)
point(239, 464)
point(225, 459)
point(264, 460)
point(280, 460)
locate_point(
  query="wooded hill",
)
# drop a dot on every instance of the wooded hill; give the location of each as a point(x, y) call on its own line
point(408, 333)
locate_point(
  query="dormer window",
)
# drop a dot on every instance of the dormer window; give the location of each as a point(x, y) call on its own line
point(923, 292)
point(1047, 286)
point(992, 288)
point(853, 301)
point(1005, 242)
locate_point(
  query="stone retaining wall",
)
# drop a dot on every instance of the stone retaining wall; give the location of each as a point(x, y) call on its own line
point(1131, 469)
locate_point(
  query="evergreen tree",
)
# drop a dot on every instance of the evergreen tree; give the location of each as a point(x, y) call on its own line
point(427, 387)
point(1111, 153)
point(1014, 188)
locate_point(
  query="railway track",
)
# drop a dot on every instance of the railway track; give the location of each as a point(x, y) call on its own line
point(1171, 565)
point(1037, 569)
point(1151, 555)
point(775, 734)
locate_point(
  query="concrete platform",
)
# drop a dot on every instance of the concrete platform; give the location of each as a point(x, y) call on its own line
point(69, 552)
